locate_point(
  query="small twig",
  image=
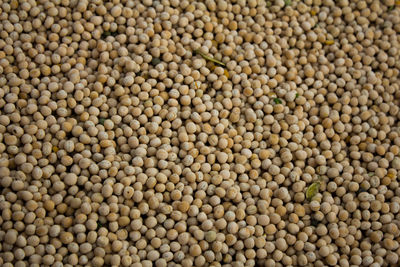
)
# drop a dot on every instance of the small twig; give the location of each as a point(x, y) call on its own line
point(209, 58)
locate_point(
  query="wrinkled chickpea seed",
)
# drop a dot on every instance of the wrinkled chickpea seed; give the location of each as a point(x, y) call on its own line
point(122, 146)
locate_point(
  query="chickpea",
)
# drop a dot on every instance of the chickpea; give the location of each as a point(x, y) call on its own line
point(199, 133)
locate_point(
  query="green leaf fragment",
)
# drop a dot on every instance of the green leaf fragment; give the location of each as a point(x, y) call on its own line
point(106, 34)
point(155, 61)
point(361, 190)
point(102, 120)
point(288, 2)
point(314, 222)
point(277, 100)
point(209, 58)
point(297, 95)
point(109, 33)
point(312, 190)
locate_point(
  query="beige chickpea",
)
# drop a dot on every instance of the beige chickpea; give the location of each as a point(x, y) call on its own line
point(188, 133)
